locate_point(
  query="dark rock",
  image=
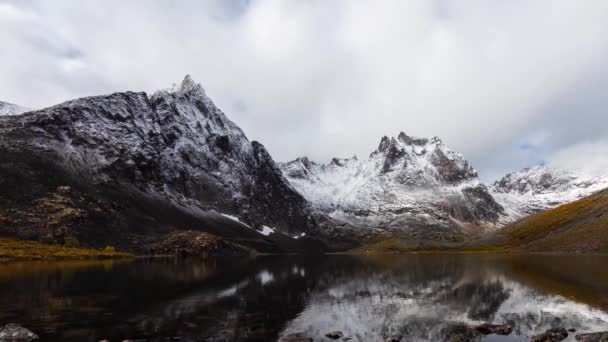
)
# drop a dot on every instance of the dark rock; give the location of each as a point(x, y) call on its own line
point(297, 337)
point(15, 332)
point(196, 243)
point(572, 330)
point(396, 338)
point(498, 329)
point(334, 335)
point(593, 337)
point(461, 333)
point(551, 335)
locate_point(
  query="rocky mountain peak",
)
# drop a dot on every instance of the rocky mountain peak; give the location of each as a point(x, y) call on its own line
point(409, 140)
point(188, 85)
point(343, 161)
point(406, 182)
point(175, 145)
point(542, 187)
point(429, 158)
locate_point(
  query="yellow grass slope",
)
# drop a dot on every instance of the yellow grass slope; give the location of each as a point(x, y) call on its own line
point(11, 249)
point(577, 227)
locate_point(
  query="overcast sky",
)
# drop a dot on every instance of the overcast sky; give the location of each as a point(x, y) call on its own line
point(507, 83)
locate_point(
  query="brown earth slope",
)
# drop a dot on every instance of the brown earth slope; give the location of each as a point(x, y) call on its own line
point(576, 227)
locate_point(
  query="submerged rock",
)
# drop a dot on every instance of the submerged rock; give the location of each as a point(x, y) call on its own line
point(551, 335)
point(593, 337)
point(461, 333)
point(297, 337)
point(334, 335)
point(498, 329)
point(392, 338)
point(15, 332)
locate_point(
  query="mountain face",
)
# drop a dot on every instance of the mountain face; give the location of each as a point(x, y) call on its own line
point(406, 184)
point(542, 187)
point(11, 109)
point(173, 160)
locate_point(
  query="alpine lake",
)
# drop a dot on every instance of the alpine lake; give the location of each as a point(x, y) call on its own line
point(411, 297)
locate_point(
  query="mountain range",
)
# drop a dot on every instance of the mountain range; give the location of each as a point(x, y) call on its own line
point(131, 170)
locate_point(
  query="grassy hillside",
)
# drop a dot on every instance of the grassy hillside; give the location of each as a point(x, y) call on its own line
point(11, 249)
point(577, 227)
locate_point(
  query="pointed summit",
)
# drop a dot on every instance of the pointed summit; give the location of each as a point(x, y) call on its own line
point(409, 140)
point(188, 85)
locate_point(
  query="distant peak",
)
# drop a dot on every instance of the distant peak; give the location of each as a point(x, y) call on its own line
point(304, 160)
point(7, 108)
point(188, 85)
point(343, 161)
point(409, 140)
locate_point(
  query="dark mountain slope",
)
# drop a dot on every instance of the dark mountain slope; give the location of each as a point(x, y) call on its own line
point(127, 168)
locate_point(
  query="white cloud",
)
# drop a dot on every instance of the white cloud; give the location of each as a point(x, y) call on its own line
point(327, 78)
point(590, 157)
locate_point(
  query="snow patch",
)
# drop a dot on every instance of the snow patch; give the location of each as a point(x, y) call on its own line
point(266, 230)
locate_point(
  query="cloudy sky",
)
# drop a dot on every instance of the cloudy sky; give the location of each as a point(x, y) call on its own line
point(507, 83)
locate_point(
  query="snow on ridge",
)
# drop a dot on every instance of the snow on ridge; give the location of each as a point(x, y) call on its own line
point(350, 182)
point(11, 109)
point(234, 218)
point(404, 177)
point(543, 187)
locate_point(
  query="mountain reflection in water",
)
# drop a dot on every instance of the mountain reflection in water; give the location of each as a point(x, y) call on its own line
point(419, 297)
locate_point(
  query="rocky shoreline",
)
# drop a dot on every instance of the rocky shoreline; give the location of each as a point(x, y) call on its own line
point(459, 333)
point(465, 333)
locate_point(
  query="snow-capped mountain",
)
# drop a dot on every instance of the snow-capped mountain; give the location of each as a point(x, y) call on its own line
point(543, 187)
point(405, 183)
point(11, 109)
point(174, 148)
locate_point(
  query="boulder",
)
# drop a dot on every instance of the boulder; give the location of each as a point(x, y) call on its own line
point(593, 337)
point(551, 335)
point(498, 329)
point(334, 335)
point(395, 338)
point(297, 337)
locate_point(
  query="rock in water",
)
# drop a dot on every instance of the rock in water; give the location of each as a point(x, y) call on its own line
point(498, 329)
point(15, 332)
point(593, 337)
point(297, 337)
point(334, 335)
point(551, 335)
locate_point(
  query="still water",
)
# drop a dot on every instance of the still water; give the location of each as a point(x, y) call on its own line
point(419, 297)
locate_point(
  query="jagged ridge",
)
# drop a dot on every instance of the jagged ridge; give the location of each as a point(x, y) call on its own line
point(175, 147)
point(543, 187)
point(406, 182)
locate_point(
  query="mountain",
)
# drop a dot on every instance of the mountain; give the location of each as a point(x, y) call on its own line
point(128, 168)
point(578, 227)
point(543, 187)
point(11, 109)
point(415, 186)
